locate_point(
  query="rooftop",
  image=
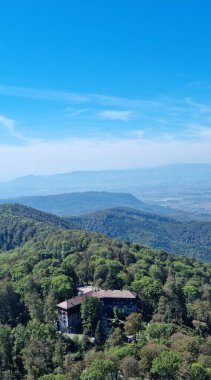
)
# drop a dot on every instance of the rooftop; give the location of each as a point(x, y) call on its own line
point(95, 292)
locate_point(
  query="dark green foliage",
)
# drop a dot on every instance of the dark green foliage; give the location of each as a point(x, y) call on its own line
point(160, 330)
point(189, 238)
point(100, 369)
point(172, 330)
point(6, 344)
point(90, 314)
point(19, 224)
point(21, 211)
point(198, 372)
point(99, 333)
point(12, 308)
point(53, 377)
point(166, 365)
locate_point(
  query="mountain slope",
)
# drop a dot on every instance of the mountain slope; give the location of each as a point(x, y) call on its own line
point(173, 297)
point(73, 204)
point(19, 224)
point(85, 202)
point(186, 238)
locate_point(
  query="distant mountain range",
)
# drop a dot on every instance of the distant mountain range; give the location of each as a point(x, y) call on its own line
point(80, 203)
point(85, 202)
point(185, 187)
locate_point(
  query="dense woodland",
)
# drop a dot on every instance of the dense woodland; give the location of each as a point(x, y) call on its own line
point(191, 238)
point(171, 331)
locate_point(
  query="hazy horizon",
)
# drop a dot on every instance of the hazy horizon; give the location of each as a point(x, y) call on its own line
point(144, 168)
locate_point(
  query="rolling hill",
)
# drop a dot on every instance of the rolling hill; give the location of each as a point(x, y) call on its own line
point(173, 298)
point(187, 238)
point(85, 202)
point(73, 204)
point(19, 224)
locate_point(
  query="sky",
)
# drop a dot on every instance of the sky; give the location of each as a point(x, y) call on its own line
point(103, 84)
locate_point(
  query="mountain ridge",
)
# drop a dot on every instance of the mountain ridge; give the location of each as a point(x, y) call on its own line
point(79, 203)
point(19, 224)
point(192, 238)
point(103, 179)
point(84, 202)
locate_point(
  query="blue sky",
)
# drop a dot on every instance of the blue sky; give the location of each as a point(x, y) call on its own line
point(89, 85)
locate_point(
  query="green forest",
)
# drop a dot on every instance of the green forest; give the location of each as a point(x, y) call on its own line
point(44, 259)
point(191, 238)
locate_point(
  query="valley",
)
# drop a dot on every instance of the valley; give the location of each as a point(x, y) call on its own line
point(179, 187)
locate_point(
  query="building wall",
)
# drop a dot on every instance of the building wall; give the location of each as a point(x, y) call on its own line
point(129, 305)
point(63, 320)
point(70, 320)
point(74, 320)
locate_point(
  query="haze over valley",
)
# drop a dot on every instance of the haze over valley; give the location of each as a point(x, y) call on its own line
point(177, 188)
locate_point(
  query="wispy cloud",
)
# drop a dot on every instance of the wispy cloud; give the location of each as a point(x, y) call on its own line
point(71, 112)
point(138, 133)
point(154, 105)
point(7, 123)
point(114, 101)
point(42, 94)
point(200, 131)
point(85, 114)
point(71, 97)
point(199, 107)
point(117, 115)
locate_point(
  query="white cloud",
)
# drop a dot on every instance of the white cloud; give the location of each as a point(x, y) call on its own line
point(117, 115)
point(138, 133)
point(163, 112)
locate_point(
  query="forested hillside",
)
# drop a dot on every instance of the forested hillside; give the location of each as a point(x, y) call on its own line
point(187, 238)
point(172, 329)
point(19, 224)
point(74, 204)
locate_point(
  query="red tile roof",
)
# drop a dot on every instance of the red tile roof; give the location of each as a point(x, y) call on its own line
point(99, 293)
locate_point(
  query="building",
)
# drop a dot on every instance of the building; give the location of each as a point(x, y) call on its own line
point(69, 315)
